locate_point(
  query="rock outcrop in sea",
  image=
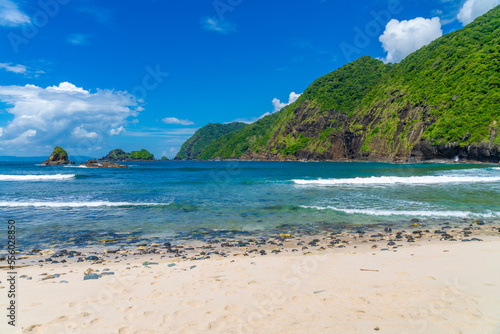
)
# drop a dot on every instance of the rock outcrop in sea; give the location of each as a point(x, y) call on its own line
point(103, 164)
point(58, 157)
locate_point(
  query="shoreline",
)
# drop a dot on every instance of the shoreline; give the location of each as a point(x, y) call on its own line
point(426, 286)
point(206, 243)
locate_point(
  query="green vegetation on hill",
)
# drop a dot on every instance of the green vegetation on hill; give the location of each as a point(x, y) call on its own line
point(344, 88)
point(318, 101)
point(142, 155)
point(204, 136)
point(120, 155)
point(59, 153)
point(457, 77)
point(440, 101)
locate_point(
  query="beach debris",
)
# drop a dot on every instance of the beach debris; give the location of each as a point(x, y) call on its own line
point(285, 235)
point(319, 291)
point(91, 258)
point(88, 271)
point(48, 252)
point(63, 281)
point(107, 273)
point(104, 241)
point(90, 276)
point(376, 270)
point(171, 265)
point(48, 277)
point(146, 263)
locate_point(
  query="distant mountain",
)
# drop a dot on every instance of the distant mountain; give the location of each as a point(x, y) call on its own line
point(203, 137)
point(120, 155)
point(441, 101)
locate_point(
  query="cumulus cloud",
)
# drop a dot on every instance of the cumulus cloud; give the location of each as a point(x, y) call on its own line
point(11, 15)
point(474, 8)
point(402, 38)
point(80, 132)
point(173, 120)
point(117, 131)
point(63, 115)
point(214, 24)
point(278, 105)
point(15, 68)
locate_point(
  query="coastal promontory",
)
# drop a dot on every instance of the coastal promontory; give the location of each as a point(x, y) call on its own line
point(58, 157)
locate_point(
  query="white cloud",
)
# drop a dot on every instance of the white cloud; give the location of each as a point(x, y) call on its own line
point(173, 120)
point(117, 131)
point(64, 115)
point(214, 24)
point(80, 132)
point(278, 105)
point(78, 39)
point(475, 8)
point(402, 38)
point(15, 68)
point(11, 15)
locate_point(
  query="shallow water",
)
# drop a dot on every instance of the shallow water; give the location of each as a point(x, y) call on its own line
point(69, 205)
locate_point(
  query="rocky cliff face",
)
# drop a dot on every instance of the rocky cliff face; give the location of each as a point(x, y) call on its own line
point(58, 157)
point(441, 102)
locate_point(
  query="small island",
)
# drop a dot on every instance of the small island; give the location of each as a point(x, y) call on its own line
point(120, 155)
point(58, 157)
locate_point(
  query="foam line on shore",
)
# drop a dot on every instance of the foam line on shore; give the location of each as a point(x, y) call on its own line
point(34, 177)
point(390, 180)
point(410, 213)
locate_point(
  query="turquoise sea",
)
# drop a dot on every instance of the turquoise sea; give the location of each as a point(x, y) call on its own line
point(163, 201)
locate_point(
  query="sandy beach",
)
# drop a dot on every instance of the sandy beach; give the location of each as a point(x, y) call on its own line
point(426, 286)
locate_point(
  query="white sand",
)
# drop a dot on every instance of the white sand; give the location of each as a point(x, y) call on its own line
point(418, 289)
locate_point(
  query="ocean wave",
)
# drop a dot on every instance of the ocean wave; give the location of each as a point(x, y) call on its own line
point(44, 177)
point(89, 204)
point(389, 180)
point(410, 213)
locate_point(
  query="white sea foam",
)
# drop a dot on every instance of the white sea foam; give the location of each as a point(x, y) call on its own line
point(32, 177)
point(412, 213)
point(89, 204)
point(389, 180)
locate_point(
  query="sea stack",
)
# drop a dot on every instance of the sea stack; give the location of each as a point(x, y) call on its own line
point(58, 157)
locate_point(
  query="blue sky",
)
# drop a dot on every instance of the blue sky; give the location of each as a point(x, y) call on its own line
point(92, 76)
